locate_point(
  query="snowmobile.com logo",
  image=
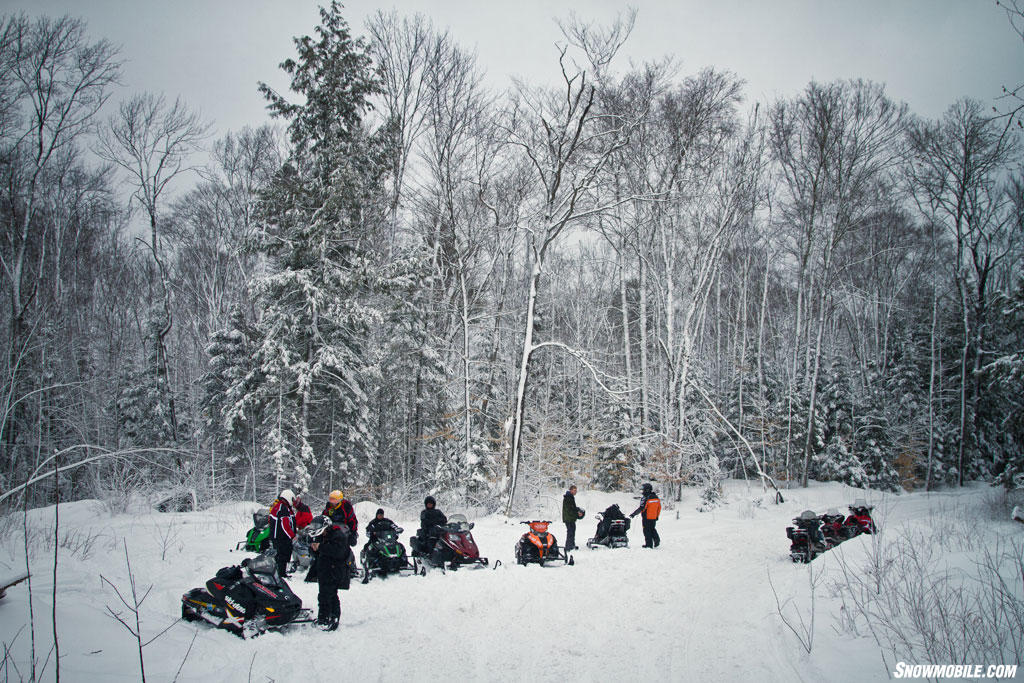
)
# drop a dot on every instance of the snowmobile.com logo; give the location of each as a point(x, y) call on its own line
point(904, 670)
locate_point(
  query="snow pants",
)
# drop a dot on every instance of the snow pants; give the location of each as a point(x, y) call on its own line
point(328, 603)
point(570, 536)
point(283, 546)
point(651, 537)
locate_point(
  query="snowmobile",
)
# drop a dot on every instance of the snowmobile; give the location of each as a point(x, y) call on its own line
point(860, 521)
point(383, 555)
point(246, 599)
point(302, 555)
point(258, 537)
point(453, 548)
point(832, 528)
point(540, 546)
point(806, 540)
point(612, 526)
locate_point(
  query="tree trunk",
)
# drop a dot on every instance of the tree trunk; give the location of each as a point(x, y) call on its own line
point(524, 363)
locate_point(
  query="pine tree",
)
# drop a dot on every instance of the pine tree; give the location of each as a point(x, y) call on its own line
point(1002, 416)
point(838, 459)
point(146, 404)
point(231, 413)
point(319, 224)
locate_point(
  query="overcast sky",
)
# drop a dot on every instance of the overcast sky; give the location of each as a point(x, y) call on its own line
point(927, 52)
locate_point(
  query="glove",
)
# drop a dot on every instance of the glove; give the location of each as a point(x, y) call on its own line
point(632, 515)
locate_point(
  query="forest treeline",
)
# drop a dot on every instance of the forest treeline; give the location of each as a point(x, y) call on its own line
point(411, 282)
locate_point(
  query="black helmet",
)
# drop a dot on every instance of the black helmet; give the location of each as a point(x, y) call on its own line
point(429, 500)
point(646, 488)
point(318, 526)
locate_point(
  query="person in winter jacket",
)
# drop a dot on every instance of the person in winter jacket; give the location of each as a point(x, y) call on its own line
point(303, 515)
point(379, 523)
point(430, 519)
point(330, 541)
point(282, 520)
point(650, 505)
point(340, 511)
point(570, 515)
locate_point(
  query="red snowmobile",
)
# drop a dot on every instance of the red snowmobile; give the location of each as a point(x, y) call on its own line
point(540, 546)
point(860, 521)
point(453, 548)
point(832, 523)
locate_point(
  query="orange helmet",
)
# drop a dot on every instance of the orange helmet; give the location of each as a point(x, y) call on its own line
point(335, 497)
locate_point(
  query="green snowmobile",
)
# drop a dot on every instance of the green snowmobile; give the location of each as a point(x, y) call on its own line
point(258, 538)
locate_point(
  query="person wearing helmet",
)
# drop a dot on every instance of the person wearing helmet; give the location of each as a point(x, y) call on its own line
point(339, 509)
point(650, 505)
point(430, 520)
point(282, 519)
point(329, 541)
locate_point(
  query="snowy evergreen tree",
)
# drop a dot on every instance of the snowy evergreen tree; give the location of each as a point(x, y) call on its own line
point(615, 466)
point(146, 405)
point(837, 459)
point(232, 416)
point(1003, 424)
point(319, 225)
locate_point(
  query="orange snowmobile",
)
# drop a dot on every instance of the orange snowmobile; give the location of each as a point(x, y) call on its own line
point(540, 546)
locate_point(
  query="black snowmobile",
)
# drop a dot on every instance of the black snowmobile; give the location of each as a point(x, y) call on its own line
point(384, 555)
point(612, 526)
point(246, 599)
point(806, 539)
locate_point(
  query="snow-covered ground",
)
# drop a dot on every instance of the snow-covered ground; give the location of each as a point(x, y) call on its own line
point(698, 608)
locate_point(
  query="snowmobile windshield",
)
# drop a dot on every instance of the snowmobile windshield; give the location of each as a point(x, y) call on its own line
point(262, 564)
point(459, 523)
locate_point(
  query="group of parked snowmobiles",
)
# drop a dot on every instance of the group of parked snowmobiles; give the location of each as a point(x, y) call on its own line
point(813, 534)
point(250, 598)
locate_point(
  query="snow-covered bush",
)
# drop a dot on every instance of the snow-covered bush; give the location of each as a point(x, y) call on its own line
point(936, 593)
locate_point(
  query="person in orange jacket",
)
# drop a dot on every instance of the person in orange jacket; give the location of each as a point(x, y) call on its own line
point(650, 505)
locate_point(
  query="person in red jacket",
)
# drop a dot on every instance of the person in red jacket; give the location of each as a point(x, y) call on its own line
point(303, 515)
point(650, 505)
point(282, 520)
